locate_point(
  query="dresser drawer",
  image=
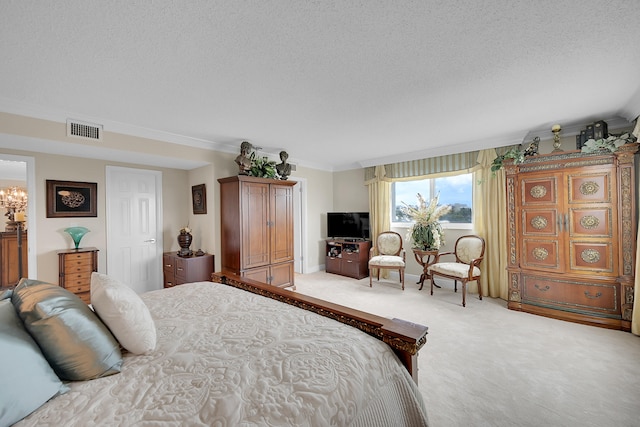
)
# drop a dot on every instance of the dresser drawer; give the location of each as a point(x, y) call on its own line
point(168, 264)
point(80, 264)
point(85, 297)
point(571, 295)
point(77, 286)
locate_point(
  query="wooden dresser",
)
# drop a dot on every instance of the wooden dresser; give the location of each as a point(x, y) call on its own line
point(75, 268)
point(178, 270)
point(256, 216)
point(9, 271)
point(572, 236)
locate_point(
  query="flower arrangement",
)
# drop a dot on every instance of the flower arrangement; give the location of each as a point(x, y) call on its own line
point(426, 232)
point(185, 230)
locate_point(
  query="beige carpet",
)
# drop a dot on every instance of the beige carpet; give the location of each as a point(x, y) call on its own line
point(485, 365)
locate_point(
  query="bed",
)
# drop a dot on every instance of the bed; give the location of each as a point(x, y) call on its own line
point(233, 353)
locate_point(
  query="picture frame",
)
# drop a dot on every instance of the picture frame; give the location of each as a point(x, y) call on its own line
point(66, 199)
point(199, 199)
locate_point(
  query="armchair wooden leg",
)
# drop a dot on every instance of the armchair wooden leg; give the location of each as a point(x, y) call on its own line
point(401, 271)
point(464, 293)
point(479, 289)
point(370, 274)
point(431, 283)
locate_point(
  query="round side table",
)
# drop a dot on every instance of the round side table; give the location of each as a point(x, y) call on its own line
point(425, 258)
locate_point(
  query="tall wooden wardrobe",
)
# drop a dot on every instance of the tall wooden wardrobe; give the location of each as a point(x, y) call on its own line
point(572, 236)
point(9, 266)
point(256, 216)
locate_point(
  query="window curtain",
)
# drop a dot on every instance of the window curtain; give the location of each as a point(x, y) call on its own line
point(379, 203)
point(490, 222)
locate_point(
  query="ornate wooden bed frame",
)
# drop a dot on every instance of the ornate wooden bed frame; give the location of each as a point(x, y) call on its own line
point(403, 337)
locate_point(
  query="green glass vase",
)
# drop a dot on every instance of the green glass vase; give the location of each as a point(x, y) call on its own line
point(76, 234)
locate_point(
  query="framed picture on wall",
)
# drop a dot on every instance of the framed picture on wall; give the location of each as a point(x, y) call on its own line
point(199, 199)
point(71, 199)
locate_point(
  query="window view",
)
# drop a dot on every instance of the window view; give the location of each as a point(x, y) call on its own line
point(454, 190)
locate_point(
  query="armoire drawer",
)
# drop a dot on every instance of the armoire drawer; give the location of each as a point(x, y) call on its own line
point(572, 295)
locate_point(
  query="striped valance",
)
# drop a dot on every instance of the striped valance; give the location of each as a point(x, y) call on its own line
point(422, 167)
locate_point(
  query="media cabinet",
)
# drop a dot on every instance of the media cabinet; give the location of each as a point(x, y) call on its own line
point(348, 258)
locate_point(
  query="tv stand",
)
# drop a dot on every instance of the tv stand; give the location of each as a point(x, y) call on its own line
point(348, 257)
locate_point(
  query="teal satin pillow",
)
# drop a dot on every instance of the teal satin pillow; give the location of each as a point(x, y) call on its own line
point(73, 339)
point(26, 379)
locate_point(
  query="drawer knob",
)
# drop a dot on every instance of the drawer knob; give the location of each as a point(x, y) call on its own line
point(545, 289)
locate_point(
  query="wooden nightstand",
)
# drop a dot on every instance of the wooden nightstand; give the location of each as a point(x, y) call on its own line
point(178, 270)
point(75, 268)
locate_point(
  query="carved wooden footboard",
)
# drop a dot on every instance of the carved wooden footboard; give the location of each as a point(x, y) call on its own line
point(405, 338)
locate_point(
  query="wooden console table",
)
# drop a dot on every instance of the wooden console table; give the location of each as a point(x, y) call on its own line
point(420, 255)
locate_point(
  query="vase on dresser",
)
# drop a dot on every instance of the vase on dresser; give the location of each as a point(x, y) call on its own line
point(184, 240)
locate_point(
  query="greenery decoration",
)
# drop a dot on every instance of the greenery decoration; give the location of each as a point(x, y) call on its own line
point(262, 167)
point(514, 153)
point(426, 231)
point(611, 143)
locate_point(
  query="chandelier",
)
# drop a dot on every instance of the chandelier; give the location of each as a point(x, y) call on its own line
point(14, 200)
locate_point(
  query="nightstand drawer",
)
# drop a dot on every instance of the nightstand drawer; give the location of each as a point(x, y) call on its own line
point(178, 270)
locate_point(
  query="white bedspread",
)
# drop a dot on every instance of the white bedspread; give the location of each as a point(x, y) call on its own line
point(226, 357)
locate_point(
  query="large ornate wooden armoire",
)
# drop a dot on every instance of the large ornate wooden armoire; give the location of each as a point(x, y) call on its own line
point(256, 217)
point(572, 236)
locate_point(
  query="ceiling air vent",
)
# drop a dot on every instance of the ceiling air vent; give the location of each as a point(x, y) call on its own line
point(84, 130)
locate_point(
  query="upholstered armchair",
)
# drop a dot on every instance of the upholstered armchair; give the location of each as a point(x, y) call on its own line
point(468, 252)
point(387, 254)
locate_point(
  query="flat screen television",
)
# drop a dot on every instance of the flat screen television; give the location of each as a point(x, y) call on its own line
point(348, 225)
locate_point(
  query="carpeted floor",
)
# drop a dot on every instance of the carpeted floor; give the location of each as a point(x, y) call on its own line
point(485, 365)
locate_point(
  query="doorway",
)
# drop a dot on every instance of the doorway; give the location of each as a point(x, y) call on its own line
point(28, 175)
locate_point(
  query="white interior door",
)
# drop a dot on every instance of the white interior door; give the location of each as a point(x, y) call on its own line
point(134, 237)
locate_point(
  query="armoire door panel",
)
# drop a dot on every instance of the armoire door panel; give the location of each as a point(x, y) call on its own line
point(541, 254)
point(539, 190)
point(540, 222)
point(255, 230)
point(592, 257)
point(591, 222)
point(590, 187)
point(282, 274)
point(281, 224)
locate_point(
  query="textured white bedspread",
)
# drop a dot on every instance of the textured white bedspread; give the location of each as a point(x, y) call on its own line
point(226, 357)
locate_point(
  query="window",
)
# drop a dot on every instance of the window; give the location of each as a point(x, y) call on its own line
point(454, 190)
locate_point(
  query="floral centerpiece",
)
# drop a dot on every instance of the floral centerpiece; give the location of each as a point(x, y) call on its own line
point(426, 231)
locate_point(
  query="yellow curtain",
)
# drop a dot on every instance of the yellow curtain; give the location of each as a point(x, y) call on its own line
point(379, 205)
point(490, 222)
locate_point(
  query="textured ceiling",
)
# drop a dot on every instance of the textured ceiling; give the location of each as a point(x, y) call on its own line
point(338, 84)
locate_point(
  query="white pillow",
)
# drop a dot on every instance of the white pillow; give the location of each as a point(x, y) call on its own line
point(124, 312)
